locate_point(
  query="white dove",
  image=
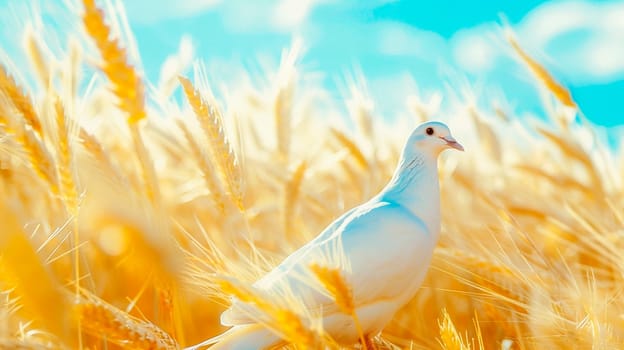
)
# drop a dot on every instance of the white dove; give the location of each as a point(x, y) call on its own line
point(387, 243)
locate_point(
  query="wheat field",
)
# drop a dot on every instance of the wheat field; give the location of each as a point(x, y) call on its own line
point(130, 211)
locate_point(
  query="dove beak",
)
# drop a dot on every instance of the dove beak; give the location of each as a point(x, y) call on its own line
point(450, 142)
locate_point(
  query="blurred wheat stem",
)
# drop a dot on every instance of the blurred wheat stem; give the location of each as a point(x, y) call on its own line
point(292, 193)
point(542, 74)
point(37, 57)
point(350, 145)
point(41, 296)
point(69, 194)
point(205, 166)
point(97, 151)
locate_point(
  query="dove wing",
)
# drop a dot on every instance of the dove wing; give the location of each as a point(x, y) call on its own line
point(382, 244)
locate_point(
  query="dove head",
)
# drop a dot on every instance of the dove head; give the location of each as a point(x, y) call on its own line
point(414, 184)
point(431, 138)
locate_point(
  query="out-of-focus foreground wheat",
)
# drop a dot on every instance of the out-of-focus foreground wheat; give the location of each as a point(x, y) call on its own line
point(128, 211)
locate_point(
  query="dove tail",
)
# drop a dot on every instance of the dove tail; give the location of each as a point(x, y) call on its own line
point(247, 337)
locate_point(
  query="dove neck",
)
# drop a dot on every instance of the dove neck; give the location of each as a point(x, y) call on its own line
point(415, 186)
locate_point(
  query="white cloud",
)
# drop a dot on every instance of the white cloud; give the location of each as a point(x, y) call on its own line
point(475, 49)
point(550, 20)
point(584, 39)
point(247, 16)
point(603, 57)
point(399, 39)
point(238, 15)
point(150, 11)
point(289, 14)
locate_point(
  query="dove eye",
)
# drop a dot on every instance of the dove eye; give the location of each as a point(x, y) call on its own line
point(429, 131)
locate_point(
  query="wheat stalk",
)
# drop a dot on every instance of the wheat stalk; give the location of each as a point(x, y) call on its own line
point(220, 148)
point(286, 322)
point(169, 307)
point(103, 321)
point(560, 92)
point(40, 158)
point(37, 58)
point(353, 149)
point(127, 85)
point(150, 179)
point(282, 112)
point(65, 165)
point(97, 151)
point(205, 166)
point(36, 152)
point(292, 193)
point(450, 339)
point(20, 100)
point(574, 151)
point(66, 133)
point(16, 344)
point(65, 168)
point(556, 180)
point(39, 292)
point(335, 284)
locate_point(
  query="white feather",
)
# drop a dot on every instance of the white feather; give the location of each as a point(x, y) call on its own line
point(386, 244)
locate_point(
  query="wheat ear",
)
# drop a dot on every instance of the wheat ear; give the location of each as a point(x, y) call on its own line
point(65, 164)
point(353, 149)
point(450, 339)
point(39, 157)
point(574, 151)
point(336, 285)
point(282, 112)
point(36, 152)
point(103, 321)
point(20, 100)
point(560, 92)
point(92, 145)
point(205, 167)
point(220, 148)
point(37, 58)
point(291, 196)
point(282, 320)
point(127, 86)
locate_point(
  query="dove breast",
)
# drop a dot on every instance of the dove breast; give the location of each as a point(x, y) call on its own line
point(387, 251)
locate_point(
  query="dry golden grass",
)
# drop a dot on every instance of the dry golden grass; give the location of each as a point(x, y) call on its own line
point(125, 226)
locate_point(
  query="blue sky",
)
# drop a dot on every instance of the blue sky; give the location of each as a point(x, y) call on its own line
point(434, 42)
point(402, 45)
